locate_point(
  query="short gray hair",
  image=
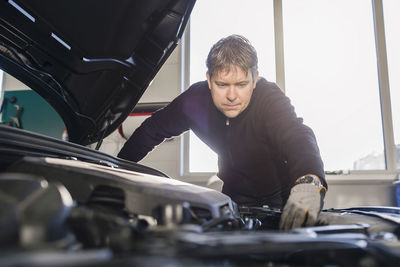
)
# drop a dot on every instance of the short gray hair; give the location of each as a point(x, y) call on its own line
point(234, 50)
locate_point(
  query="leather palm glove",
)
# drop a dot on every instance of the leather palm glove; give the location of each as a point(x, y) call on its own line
point(303, 205)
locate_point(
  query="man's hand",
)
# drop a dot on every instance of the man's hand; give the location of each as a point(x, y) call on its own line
point(302, 207)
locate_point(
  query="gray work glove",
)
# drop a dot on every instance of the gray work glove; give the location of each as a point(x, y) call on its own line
point(302, 207)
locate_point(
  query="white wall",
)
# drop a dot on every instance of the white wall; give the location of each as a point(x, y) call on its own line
point(344, 191)
point(12, 84)
point(361, 190)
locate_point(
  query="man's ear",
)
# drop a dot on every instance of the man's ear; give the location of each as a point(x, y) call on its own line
point(208, 79)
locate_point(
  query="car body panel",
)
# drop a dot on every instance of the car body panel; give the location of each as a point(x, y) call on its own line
point(140, 193)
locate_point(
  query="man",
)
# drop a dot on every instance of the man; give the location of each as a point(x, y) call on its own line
point(266, 155)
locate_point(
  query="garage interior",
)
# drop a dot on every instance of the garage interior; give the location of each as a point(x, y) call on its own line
point(365, 60)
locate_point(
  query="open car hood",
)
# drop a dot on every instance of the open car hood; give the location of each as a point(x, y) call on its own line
point(91, 60)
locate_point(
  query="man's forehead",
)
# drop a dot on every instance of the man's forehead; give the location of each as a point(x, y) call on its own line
point(231, 70)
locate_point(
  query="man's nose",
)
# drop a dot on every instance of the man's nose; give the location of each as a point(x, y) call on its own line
point(231, 94)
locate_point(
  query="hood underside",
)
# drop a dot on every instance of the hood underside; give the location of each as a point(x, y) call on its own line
point(91, 60)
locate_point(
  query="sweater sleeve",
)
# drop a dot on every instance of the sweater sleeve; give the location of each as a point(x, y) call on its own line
point(295, 141)
point(164, 123)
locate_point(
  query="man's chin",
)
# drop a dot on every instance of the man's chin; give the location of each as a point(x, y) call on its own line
point(231, 114)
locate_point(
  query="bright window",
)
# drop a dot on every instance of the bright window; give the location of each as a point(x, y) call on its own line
point(332, 80)
point(331, 71)
point(212, 20)
point(392, 20)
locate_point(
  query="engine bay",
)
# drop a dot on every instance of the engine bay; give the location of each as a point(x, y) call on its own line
point(43, 224)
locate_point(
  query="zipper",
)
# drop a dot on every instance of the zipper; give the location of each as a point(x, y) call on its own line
point(228, 137)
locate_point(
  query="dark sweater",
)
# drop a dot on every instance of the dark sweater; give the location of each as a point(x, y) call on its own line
point(260, 153)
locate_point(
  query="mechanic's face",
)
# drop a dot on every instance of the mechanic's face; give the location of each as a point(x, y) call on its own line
point(231, 90)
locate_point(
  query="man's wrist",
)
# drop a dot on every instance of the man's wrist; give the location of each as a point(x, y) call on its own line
point(312, 179)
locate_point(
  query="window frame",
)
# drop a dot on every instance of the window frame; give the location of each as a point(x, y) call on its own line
point(390, 151)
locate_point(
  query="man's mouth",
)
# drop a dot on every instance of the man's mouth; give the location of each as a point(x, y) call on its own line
point(232, 107)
